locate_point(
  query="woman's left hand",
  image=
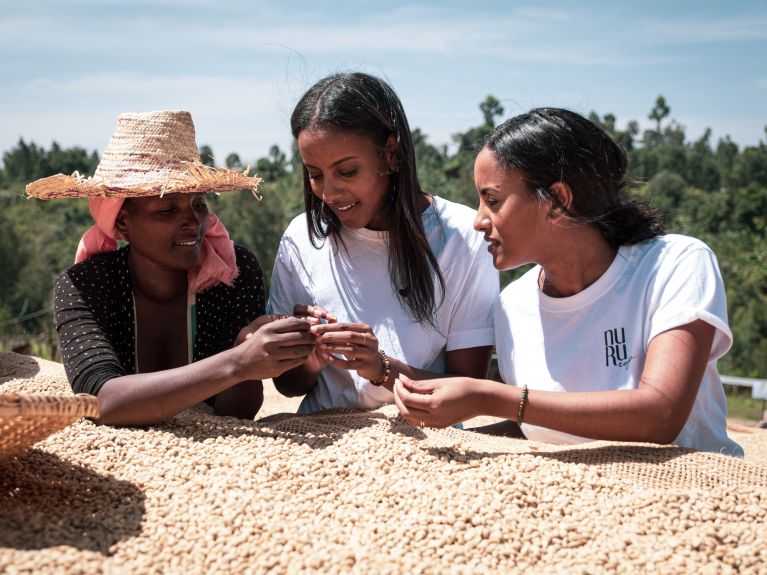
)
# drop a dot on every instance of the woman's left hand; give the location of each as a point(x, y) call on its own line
point(436, 402)
point(356, 342)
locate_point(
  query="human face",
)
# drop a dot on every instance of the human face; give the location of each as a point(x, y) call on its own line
point(513, 221)
point(166, 231)
point(349, 173)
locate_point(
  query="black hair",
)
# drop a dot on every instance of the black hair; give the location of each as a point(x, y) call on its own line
point(365, 105)
point(550, 145)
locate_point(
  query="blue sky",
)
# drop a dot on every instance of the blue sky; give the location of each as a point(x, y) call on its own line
point(68, 68)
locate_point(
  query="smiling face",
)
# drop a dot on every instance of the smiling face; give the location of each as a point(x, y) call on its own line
point(513, 221)
point(165, 231)
point(349, 173)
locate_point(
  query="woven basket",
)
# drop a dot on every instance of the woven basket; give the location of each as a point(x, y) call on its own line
point(27, 419)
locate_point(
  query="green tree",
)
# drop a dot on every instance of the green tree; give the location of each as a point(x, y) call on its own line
point(67, 161)
point(430, 162)
point(659, 112)
point(491, 108)
point(24, 163)
point(750, 166)
point(624, 137)
point(206, 156)
point(12, 258)
point(701, 167)
point(272, 167)
point(233, 161)
point(460, 166)
point(726, 154)
point(27, 162)
point(666, 190)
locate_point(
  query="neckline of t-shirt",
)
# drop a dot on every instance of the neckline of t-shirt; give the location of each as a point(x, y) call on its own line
point(382, 235)
point(592, 293)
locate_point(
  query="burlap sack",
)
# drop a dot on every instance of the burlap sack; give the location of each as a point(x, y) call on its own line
point(364, 492)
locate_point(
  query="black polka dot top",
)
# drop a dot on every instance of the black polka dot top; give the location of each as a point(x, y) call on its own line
point(93, 309)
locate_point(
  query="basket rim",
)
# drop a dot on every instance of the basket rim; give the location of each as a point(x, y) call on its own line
point(24, 404)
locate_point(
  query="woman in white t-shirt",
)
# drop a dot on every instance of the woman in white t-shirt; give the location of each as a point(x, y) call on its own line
point(627, 321)
point(400, 278)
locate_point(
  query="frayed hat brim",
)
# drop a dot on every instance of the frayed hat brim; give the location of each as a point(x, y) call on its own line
point(196, 178)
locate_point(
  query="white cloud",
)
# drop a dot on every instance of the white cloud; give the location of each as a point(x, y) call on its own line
point(739, 28)
point(230, 113)
point(522, 35)
point(70, 68)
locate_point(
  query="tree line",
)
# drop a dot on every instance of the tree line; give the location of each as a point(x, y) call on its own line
point(716, 191)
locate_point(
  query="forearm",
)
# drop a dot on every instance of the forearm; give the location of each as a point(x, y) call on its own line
point(242, 400)
point(295, 382)
point(621, 415)
point(397, 367)
point(146, 398)
point(300, 380)
point(470, 362)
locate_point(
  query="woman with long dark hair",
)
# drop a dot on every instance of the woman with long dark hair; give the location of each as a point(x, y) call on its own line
point(616, 331)
point(399, 276)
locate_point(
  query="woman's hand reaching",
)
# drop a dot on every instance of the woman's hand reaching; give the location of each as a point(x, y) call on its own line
point(437, 402)
point(355, 342)
point(315, 315)
point(273, 344)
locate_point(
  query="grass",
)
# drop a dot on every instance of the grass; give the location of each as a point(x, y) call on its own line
point(740, 404)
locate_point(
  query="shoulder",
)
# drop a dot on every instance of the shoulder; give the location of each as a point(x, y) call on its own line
point(246, 259)
point(250, 272)
point(296, 243)
point(677, 243)
point(453, 219)
point(670, 244)
point(98, 271)
point(522, 290)
point(297, 228)
point(453, 213)
point(666, 250)
point(297, 234)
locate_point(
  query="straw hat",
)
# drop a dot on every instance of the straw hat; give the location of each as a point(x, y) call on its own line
point(150, 154)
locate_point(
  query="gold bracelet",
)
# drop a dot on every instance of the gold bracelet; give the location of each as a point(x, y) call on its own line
point(387, 369)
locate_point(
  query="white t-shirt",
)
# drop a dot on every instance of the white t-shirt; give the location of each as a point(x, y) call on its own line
point(353, 283)
point(597, 340)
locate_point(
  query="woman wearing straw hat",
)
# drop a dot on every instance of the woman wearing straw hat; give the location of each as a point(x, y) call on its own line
point(400, 275)
point(616, 332)
point(174, 317)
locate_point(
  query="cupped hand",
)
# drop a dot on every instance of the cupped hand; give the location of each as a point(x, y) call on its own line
point(274, 347)
point(313, 313)
point(255, 325)
point(436, 402)
point(356, 342)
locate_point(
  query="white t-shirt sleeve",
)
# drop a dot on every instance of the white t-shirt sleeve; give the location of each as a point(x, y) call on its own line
point(282, 292)
point(472, 317)
point(693, 290)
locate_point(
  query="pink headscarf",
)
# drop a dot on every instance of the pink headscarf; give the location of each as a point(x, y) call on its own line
point(218, 262)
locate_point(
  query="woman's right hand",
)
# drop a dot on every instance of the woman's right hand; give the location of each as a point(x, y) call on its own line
point(274, 346)
point(255, 325)
point(314, 314)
